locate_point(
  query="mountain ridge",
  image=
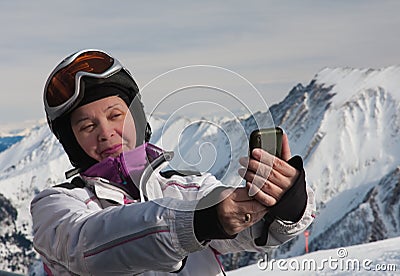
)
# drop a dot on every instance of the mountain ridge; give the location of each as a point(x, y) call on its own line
point(345, 123)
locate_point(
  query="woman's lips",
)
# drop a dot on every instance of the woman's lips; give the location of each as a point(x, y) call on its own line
point(111, 150)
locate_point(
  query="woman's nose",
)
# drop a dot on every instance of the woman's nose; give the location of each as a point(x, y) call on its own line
point(106, 131)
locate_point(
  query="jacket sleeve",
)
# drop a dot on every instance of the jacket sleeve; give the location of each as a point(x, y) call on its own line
point(126, 239)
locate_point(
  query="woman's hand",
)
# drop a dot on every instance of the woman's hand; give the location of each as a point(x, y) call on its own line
point(238, 211)
point(268, 177)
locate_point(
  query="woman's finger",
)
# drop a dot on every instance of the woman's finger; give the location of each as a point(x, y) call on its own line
point(265, 198)
point(285, 154)
point(263, 158)
point(256, 183)
point(268, 173)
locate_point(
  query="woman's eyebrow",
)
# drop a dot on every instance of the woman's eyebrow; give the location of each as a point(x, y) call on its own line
point(76, 122)
point(85, 117)
point(112, 106)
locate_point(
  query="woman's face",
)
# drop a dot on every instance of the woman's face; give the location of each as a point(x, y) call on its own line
point(99, 127)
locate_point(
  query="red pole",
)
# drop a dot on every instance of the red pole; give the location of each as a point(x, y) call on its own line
point(306, 234)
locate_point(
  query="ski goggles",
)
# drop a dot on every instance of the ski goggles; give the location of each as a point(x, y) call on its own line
point(63, 90)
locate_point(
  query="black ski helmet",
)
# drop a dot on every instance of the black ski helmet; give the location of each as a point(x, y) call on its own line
point(120, 83)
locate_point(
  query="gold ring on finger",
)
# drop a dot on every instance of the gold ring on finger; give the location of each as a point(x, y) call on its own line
point(247, 218)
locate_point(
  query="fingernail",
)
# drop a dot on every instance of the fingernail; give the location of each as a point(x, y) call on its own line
point(256, 153)
point(243, 161)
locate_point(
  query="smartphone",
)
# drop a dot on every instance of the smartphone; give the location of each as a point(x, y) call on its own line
point(269, 139)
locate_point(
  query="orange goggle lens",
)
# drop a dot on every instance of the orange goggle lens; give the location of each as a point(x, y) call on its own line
point(62, 85)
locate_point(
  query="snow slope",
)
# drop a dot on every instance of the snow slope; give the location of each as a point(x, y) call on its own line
point(376, 258)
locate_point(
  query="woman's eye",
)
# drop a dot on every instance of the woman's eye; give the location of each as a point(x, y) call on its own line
point(116, 115)
point(87, 127)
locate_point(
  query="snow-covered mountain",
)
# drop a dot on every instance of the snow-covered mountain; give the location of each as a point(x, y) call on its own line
point(345, 123)
point(352, 158)
point(26, 167)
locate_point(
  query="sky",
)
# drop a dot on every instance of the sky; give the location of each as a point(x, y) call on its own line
point(267, 45)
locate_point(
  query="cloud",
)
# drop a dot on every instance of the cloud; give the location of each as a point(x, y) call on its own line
point(274, 44)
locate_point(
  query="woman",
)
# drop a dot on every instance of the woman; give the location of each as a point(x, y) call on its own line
point(125, 214)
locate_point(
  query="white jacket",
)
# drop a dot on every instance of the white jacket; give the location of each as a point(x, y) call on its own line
point(78, 231)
